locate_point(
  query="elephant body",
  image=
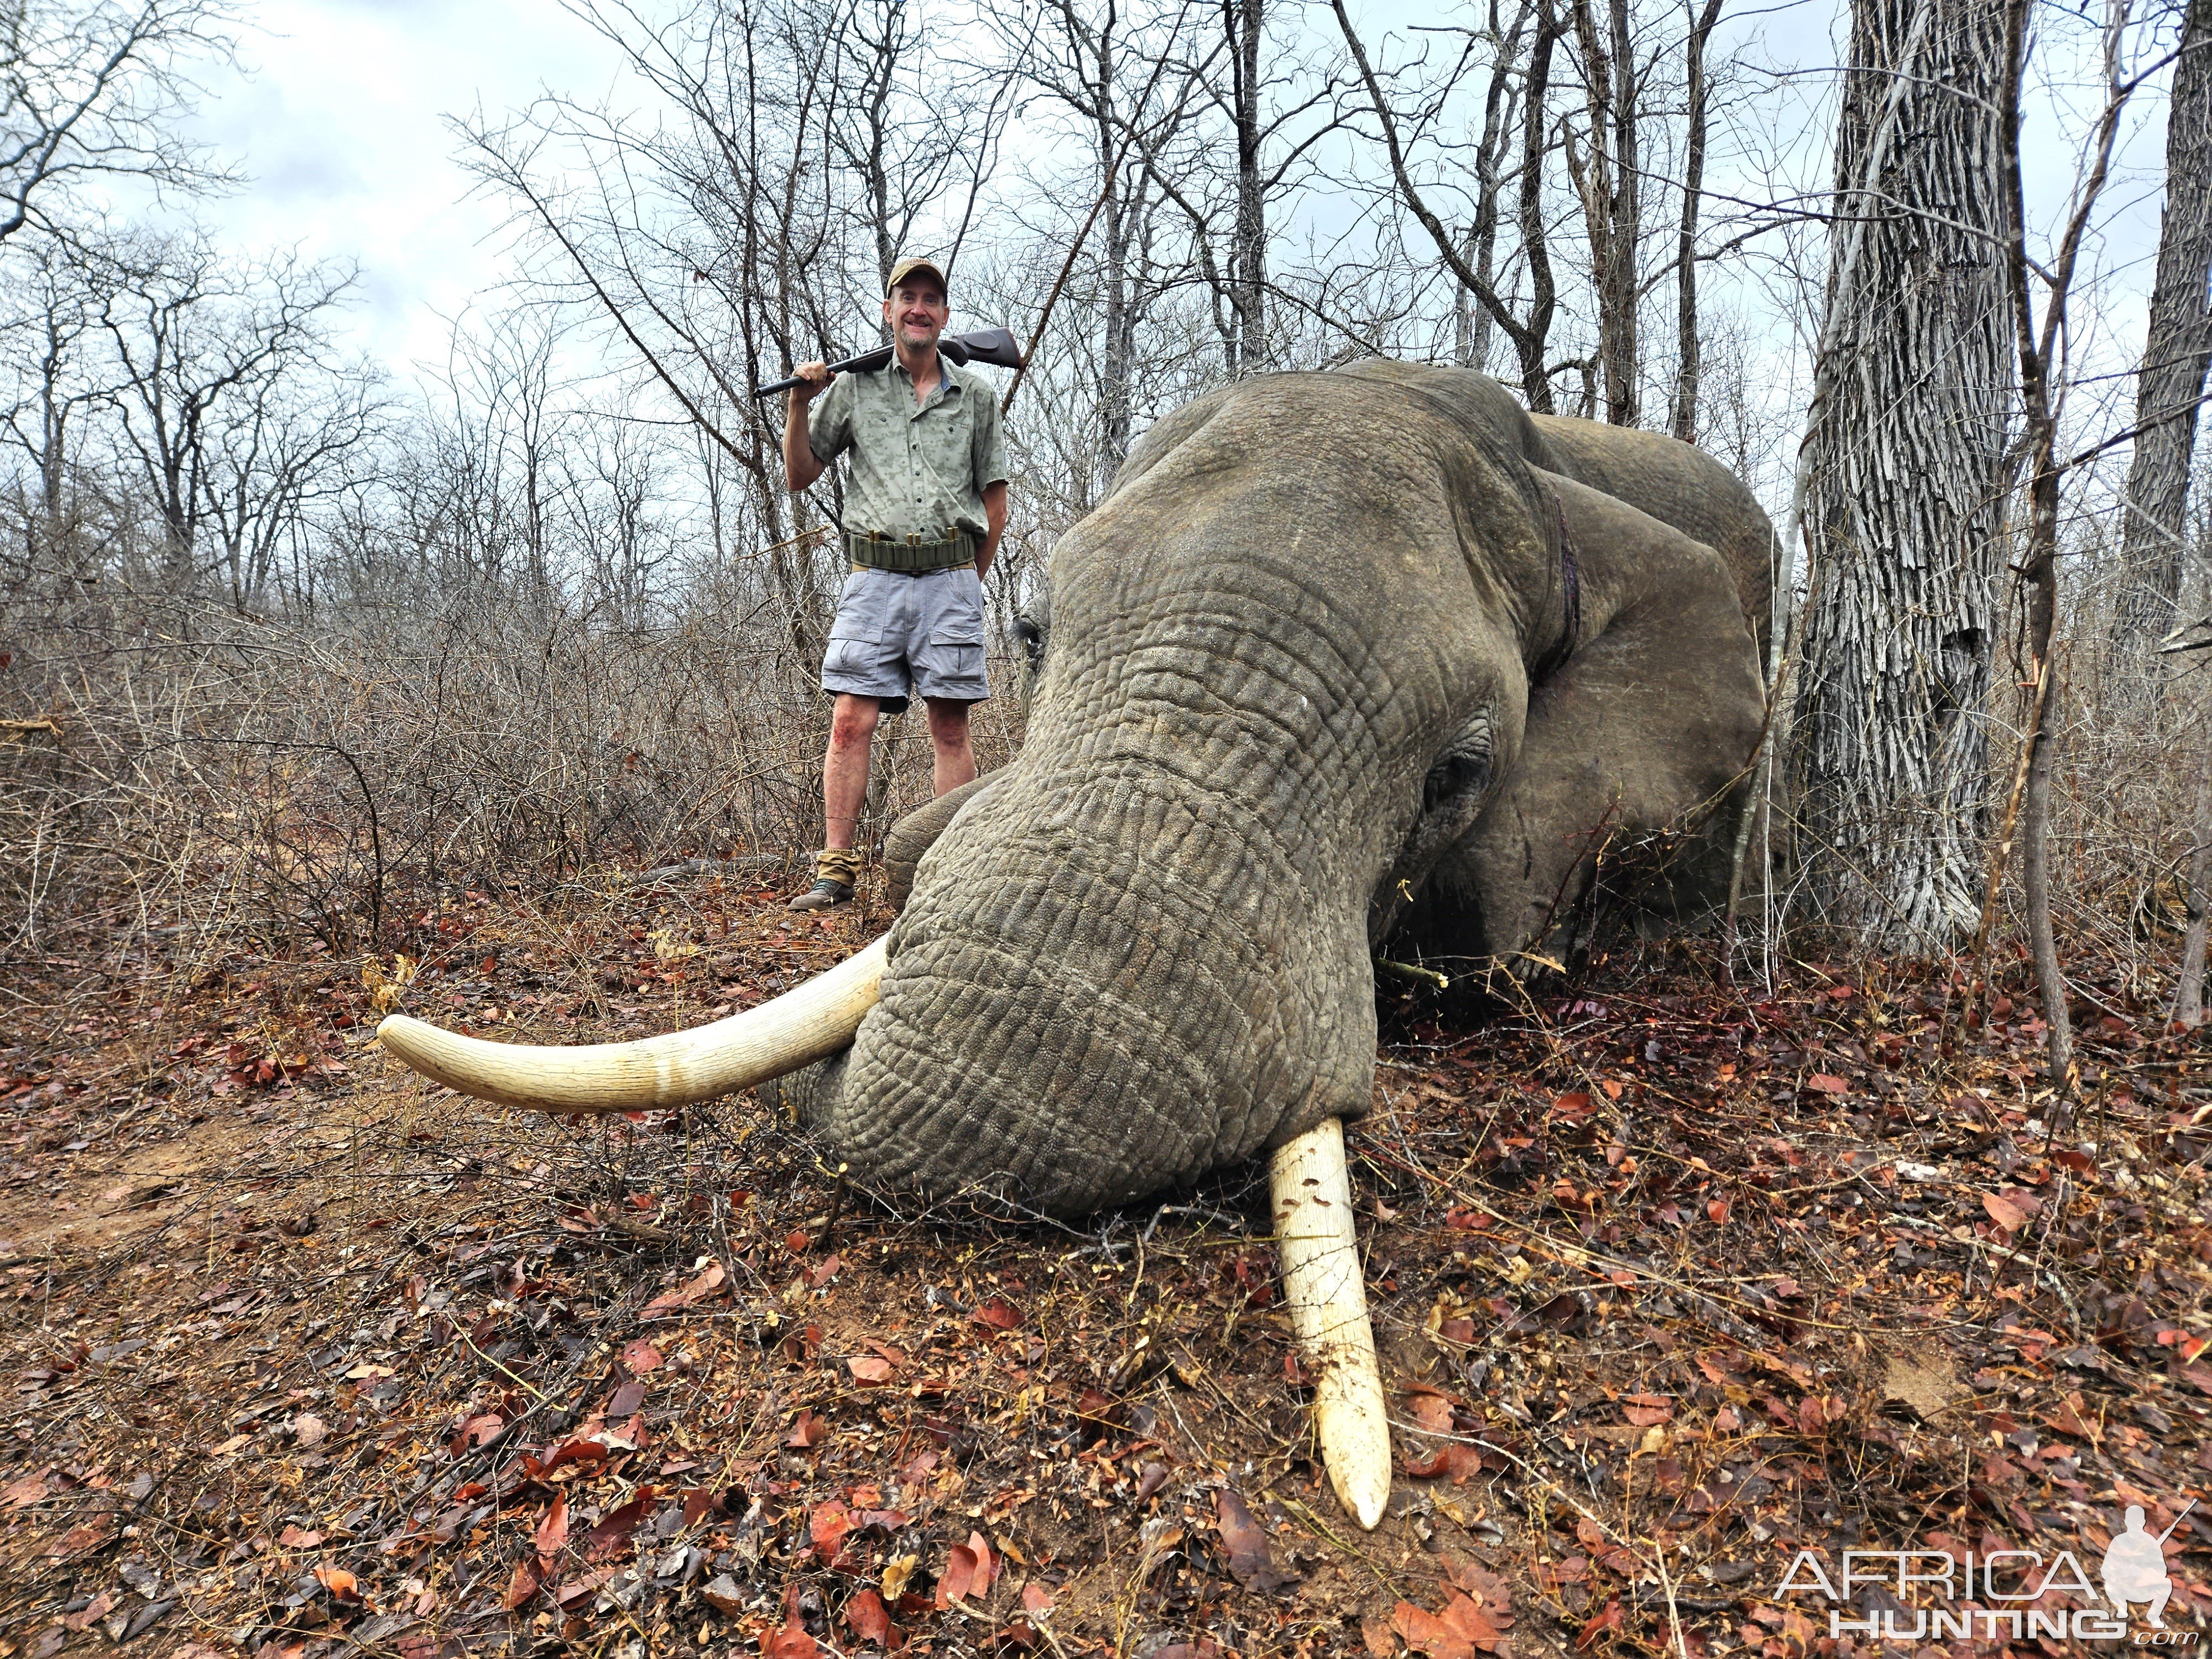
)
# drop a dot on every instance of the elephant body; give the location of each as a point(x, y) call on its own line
point(1343, 657)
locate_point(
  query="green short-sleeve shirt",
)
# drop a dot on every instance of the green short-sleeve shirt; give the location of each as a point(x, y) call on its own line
point(917, 470)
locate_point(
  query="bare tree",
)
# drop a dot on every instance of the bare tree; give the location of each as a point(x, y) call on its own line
point(1682, 419)
point(1529, 333)
point(1269, 146)
point(1472, 322)
point(49, 339)
point(285, 445)
point(99, 89)
point(2042, 385)
point(1902, 474)
point(905, 150)
point(2177, 350)
point(1609, 180)
point(1108, 67)
point(197, 342)
point(1248, 245)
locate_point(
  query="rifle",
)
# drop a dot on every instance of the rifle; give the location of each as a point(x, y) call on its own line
point(987, 345)
point(2178, 1520)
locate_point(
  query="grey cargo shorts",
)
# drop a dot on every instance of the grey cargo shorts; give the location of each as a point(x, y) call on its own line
point(896, 637)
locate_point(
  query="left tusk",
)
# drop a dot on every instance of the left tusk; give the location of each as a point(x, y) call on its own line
point(1322, 1282)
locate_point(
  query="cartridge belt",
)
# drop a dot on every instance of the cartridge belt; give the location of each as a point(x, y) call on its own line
point(911, 556)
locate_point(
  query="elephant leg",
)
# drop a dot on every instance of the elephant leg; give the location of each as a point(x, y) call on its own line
point(1645, 730)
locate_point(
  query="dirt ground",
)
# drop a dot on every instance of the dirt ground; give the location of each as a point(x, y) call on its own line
point(1672, 1285)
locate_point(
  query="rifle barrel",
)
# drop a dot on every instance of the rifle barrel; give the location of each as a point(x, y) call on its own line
point(991, 345)
point(2178, 1520)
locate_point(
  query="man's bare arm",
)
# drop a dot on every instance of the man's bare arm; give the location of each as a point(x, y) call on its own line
point(994, 515)
point(799, 466)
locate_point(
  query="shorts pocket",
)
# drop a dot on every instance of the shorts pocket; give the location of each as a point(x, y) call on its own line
point(959, 630)
point(860, 610)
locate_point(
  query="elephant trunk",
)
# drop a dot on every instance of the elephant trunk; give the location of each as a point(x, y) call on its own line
point(1098, 990)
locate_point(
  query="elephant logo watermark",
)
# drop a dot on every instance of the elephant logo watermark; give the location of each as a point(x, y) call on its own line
point(2133, 1572)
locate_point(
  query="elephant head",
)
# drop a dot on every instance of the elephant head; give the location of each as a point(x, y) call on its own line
point(1341, 654)
point(1340, 650)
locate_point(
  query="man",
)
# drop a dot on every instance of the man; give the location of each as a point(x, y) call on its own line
point(924, 509)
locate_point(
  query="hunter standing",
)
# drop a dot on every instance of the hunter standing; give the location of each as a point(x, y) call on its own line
point(924, 506)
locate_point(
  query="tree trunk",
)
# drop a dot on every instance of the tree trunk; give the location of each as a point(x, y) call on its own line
point(1611, 186)
point(1117, 355)
point(1248, 274)
point(2189, 996)
point(1684, 420)
point(1902, 475)
point(2176, 349)
point(1473, 324)
point(1470, 322)
point(1531, 340)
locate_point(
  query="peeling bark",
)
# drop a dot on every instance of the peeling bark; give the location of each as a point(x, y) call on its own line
point(1903, 476)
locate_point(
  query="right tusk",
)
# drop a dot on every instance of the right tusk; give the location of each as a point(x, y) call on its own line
point(807, 1023)
point(1322, 1284)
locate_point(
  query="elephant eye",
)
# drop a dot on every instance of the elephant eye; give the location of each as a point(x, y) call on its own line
point(1031, 633)
point(1461, 770)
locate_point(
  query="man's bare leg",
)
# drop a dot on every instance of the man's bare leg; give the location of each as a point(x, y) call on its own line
point(844, 791)
point(845, 767)
point(953, 762)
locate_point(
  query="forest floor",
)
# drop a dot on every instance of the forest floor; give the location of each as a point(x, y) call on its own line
point(1671, 1284)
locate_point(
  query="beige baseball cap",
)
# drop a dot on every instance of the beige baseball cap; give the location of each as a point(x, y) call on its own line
point(907, 267)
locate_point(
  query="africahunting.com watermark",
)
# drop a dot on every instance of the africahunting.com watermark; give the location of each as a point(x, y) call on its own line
point(1931, 1589)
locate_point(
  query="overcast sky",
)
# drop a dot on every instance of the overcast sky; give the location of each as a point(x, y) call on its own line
point(341, 125)
point(339, 120)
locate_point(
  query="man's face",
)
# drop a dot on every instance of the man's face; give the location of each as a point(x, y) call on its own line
point(916, 311)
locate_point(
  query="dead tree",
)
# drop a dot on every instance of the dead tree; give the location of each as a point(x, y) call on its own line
point(1609, 179)
point(1682, 419)
point(95, 91)
point(1902, 474)
point(2176, 350)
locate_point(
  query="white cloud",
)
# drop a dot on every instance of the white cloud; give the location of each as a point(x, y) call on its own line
point(339, 120)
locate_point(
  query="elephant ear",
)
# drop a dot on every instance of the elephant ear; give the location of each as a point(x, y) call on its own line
point(1645, 730)
point(917, 832)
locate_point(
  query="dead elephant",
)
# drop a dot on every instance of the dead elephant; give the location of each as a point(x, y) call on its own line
point(1342, 655)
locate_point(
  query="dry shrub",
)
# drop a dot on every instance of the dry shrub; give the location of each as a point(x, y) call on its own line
point(170, 765)
point(173, 765)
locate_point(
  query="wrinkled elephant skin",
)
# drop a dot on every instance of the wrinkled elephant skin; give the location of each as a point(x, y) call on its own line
point(1308, 683)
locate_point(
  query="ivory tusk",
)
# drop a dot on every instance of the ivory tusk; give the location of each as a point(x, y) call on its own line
point(1327, 1300)
point(807, 1024)
point(1312, 1189)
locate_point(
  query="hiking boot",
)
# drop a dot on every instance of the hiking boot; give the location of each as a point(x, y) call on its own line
point(837, 873)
